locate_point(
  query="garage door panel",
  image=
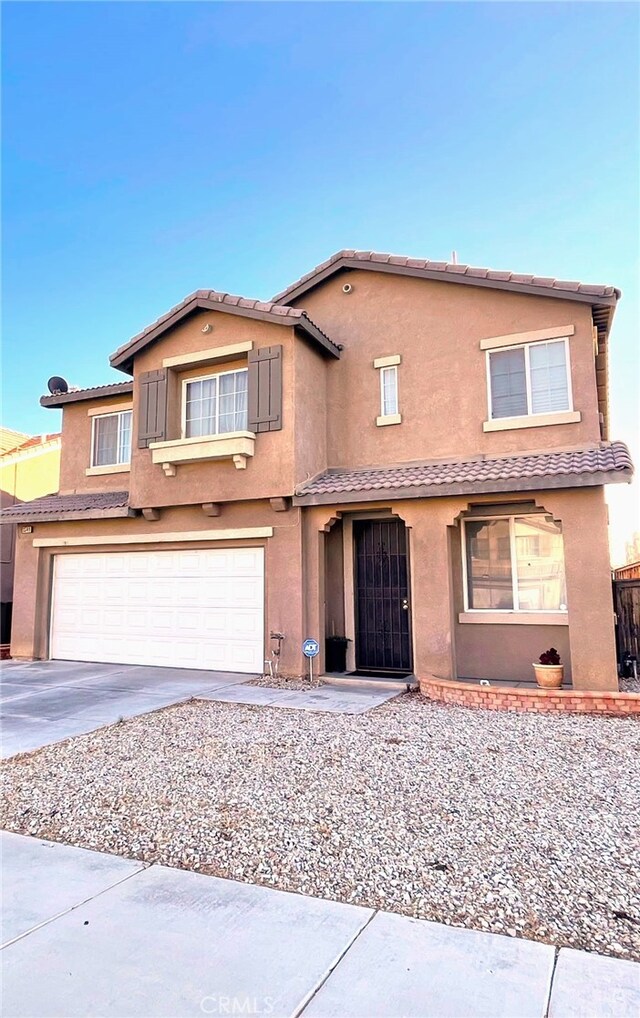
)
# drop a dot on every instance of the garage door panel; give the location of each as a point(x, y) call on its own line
point(201, 608)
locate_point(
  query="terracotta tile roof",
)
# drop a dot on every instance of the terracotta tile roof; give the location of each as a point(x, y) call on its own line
point(448, 270)
point(266, 310)
point(9, 439)
point(31, 443)
point(75, 506)
point(476, 475)
point(94, 392)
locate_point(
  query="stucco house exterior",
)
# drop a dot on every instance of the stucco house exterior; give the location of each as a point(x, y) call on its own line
point(408, 454)
point(29, 468)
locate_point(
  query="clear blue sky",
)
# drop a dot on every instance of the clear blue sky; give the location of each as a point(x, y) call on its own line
point(154, 148)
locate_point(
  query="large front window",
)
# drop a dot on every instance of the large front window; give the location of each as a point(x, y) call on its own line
point(216, 404)
point(111, 439)
point(514, 563)
point(529, 379)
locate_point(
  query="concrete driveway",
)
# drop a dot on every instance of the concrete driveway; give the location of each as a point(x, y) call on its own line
point(45, 701)
point(92, 934)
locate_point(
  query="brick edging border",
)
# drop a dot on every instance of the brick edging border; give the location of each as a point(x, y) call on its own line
point(541, 701)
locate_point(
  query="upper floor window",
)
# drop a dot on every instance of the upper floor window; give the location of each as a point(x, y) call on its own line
point(216, 404)
point(111, 439)
point(388, 391)
point(514, 563)
point(530, 379)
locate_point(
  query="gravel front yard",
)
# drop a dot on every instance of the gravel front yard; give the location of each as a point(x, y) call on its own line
point(518, 824)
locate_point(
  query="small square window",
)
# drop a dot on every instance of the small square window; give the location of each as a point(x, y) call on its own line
point(529, 379)
point(111, 439)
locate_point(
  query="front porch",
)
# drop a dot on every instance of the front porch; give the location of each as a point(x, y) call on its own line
point(390, 579)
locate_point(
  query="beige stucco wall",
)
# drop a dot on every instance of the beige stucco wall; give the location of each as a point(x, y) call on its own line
point(283, 596)
point(270, 472)
point(297, 588)
point(76, 447)
point(444, 648)
point(436, 327)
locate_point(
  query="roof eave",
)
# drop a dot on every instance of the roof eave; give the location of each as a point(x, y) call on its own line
point(63, 517)
point(537, 483)
point(122, 359)
point(100, 392)
point(346, 264)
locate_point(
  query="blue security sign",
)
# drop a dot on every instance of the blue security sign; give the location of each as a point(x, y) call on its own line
point(310, 648)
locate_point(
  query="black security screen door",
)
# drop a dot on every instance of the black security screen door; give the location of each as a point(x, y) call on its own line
point(383, 633)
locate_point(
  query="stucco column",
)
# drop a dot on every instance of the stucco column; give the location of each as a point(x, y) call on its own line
point(583, 514)
point(29, 594)
point(431, 585)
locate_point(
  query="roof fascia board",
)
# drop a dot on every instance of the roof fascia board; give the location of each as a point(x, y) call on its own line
point(123, 360)
point(539, 483)
point(312, 332)
point(62, 517)
point(438, 276)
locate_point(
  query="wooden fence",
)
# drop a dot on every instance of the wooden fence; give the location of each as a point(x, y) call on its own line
point(626, 600)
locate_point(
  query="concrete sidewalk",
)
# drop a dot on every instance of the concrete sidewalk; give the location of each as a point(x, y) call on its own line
point(90, 934)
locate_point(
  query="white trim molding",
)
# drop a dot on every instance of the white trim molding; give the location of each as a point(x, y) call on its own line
point(388, 419)
point(387, 362)
point(498, 618)
point(235, 534)
point(518, 338)
point(112, 468)
point(235, 445)
point(211, 356)
point(532, 421)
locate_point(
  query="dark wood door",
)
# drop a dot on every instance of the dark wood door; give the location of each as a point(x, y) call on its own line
point(383, 618)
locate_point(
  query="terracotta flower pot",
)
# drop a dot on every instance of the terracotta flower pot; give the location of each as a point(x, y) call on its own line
point(549, 676)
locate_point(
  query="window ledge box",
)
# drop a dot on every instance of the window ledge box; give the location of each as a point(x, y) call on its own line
point(111, 468)
point(381, 422)
point(532, 421)
point(236, 445)
point(513, 618)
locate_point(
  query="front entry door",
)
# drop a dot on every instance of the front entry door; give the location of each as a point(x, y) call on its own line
point(383, 627)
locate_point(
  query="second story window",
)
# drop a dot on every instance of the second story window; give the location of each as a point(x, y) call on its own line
point(529, 379)
point(216, 404)
point(111, 439)
point(389, 391)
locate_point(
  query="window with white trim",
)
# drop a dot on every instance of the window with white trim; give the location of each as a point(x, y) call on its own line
point(513, 563)
point(215, 404)
point(530, 379)
point(111, 439)
point(389, 391)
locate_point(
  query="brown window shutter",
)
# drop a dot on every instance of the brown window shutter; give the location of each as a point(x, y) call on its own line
point(265, 389)
point(152, 410)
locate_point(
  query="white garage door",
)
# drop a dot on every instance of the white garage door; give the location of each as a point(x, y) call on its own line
point(197, 608)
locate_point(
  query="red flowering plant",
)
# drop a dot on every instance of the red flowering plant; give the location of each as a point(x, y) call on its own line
point(550, 657)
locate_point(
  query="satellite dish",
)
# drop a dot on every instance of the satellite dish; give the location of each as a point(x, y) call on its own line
point(57, 385)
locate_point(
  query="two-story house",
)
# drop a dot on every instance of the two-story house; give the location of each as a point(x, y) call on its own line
point(410, 454)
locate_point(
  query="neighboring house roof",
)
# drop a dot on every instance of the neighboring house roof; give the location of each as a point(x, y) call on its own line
point(594, 465)
point(450, 272)
point(10, 439)
point(53, 508)
point(95, 392)
point(31, 444)
point(213, 300)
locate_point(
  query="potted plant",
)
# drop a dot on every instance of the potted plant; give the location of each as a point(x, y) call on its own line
point(549, 671)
